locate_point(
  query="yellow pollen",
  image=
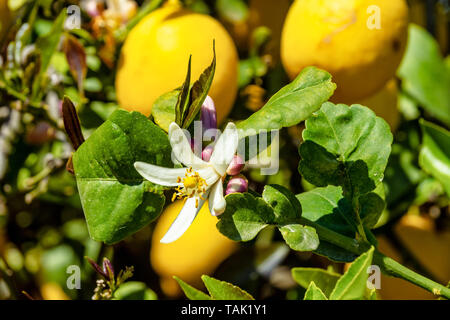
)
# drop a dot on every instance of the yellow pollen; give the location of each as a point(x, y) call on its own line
point(190, 186)
point(190, 182)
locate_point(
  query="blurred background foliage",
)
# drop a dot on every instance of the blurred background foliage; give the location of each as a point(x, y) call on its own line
point(42, 227)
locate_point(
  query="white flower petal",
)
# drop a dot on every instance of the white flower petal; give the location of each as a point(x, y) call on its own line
point(181, 148)
point(225, 148)
point(183, 220)
point(210, 175)
point(159, 175)
point(168, 177)
point(217, 202)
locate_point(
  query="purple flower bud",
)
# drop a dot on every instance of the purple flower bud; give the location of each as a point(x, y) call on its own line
point(207, 152)
point(108, 268)
point(236, 165)
point(97, 268)
point(237, 184)
point(208, 114)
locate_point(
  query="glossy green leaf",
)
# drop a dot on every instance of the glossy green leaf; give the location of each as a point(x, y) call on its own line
point(134, 290)
point(314, 293)
point(424, 74)
point(327, 207)
point(352, 285)
point(434, 155)
point(292, 104)
point(116, 200)
point(334, 253)
point(346, 146)
point(200, 90)
point(190, 292)
point(244, 216)
point(300, 238)
point(286, 207)
point(163, 110)
point(325, 279)
point(182, 105)
point(221, 290)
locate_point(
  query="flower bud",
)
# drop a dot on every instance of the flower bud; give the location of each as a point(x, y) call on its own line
point(208, 114)
point(108, 268)
point(97, 268)
point(237, 184)
point(207, 152)
point(236, 165)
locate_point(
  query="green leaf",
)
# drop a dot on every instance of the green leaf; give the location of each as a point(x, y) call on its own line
point(352, 285)
point(190, 292)
point(286, 207)
point(134, 290)
point(47, 46)
point(292, 104)
point(200, 90)
point(182, 105)
point(373, 295)
point(221, 290)
point(163, 110)
point(425, 75)
point(116, 200)
point(434, 155)
point(325, 279)
point(245, 215)
point(300, 238)
point(327, 207)
point(190, 100)
point(334, 253)
point(314, 293)
point(348, 147)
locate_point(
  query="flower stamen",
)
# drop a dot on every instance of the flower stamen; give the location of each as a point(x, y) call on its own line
point(191, 185)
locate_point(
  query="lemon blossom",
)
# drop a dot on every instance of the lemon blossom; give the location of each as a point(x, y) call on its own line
point(198, 181)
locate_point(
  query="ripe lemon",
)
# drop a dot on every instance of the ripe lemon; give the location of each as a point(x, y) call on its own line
point(384, 104)
point(155, 55)
point(200, 250)
point(360, 42)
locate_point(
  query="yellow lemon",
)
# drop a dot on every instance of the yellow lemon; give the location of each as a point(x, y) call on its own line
point(384, 104)
point(155, 55)
point(360, 42)
point(200, 250)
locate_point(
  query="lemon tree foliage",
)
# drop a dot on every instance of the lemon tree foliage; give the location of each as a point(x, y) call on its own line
point(246, 215)
point(218, 290)
point(134, 290)
point(424, 74)
point(293, 103)
point(314, 293)
point(116, 200)
point(348, 147)
point(325, 279)
point(324, 284)
point(434, 155)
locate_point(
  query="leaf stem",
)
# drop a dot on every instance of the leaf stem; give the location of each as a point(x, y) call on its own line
point(388, 265)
